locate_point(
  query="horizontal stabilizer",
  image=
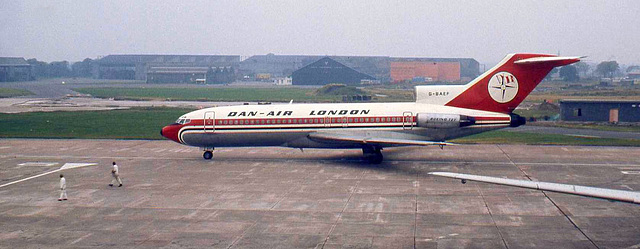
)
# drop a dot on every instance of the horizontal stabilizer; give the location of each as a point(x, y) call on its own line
point(554, 61)
point(339, 138)
point(603, 193)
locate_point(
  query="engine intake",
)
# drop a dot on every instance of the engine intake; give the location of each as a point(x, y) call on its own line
point(439, 120)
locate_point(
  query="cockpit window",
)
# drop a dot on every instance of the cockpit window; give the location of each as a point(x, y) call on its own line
point(183, 121)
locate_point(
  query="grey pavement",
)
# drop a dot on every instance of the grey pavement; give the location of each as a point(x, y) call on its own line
point(285, 198)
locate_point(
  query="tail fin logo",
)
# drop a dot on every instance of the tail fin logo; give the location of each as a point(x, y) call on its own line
point(503, 87)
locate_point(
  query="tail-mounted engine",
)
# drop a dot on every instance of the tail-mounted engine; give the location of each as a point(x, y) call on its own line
point(438, 120)
point(517, 120)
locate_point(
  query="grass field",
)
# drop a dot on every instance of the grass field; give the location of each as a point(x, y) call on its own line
point(509, 137)
point(238, 94)
point(137, 123)
point(12, 92)
point(591, 126)
point(145, 123)
point(209, 94)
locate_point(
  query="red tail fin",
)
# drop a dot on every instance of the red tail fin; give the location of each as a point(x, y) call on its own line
point(502, 88)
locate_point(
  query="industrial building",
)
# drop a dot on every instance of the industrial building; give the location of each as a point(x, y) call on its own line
point(424, 71)
point(168, 68)
point(434, 69)
point(612, 111)
point(15, 69)
point(325, 71)
point(267, 68)
point(381, 68)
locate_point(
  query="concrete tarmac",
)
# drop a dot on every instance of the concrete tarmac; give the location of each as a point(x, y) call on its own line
point(285, 198)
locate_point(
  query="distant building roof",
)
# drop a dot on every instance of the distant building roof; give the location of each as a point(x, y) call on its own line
point(13, 61)
point(133, 59)
point(596, 101)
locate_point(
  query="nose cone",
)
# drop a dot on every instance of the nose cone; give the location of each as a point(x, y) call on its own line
point(171, 132)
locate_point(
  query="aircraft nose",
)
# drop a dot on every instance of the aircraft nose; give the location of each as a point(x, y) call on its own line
point(171, 132)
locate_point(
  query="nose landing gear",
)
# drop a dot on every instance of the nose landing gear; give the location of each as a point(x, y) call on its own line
point(208, 153)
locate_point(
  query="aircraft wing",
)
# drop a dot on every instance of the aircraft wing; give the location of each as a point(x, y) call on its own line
point(340, 138)
point(603, 193)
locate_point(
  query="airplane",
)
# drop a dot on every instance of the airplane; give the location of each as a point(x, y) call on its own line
point(439, 113)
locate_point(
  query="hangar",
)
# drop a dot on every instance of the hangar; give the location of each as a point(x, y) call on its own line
point(325, 71)
point(168, 68)
point(15, 69)
point(612, 111)
point(381, 68)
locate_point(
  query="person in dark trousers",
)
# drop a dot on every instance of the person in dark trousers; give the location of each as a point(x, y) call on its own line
point(115, 173)
point(63, 188)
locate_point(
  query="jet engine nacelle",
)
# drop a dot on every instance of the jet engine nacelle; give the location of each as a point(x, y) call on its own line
point(439, 120)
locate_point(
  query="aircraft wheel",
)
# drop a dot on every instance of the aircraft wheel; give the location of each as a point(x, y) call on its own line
point(207, 155)
point(377, 158)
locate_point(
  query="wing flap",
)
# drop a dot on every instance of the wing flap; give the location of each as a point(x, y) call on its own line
point(340, 138)
point(604, 193)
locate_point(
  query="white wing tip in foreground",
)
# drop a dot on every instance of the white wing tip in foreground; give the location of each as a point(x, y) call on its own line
point(603, 193)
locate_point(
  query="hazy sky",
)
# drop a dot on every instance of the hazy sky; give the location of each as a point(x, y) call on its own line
point(484, 30)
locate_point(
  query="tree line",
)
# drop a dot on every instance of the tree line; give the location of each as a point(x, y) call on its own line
point(55, 69)
point(605, 69)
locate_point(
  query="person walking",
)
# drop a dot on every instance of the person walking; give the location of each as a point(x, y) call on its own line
point(63, 188)
point(115, 173)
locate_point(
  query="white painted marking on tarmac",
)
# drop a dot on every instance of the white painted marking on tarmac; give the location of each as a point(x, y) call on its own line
point(81, 238)
point(38, 164)
point(65, 166)
point(585, 136)
point(627, 187)
point(5, 147)
point(635, 172)
point(76, 165)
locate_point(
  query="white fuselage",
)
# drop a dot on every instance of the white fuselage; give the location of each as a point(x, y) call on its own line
point(290, 124)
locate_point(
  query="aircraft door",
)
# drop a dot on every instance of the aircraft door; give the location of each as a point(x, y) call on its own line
point(407, 120)
point(209, 122)
point(345, 121)
point(327, 121)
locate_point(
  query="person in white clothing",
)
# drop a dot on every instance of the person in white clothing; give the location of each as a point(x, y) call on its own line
point(63, 188)
point(115, 173)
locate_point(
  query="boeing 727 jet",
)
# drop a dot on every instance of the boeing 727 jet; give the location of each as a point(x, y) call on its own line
point(439, 113)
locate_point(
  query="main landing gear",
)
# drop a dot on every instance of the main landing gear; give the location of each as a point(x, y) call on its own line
point(372, 154)
point(208, 153)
